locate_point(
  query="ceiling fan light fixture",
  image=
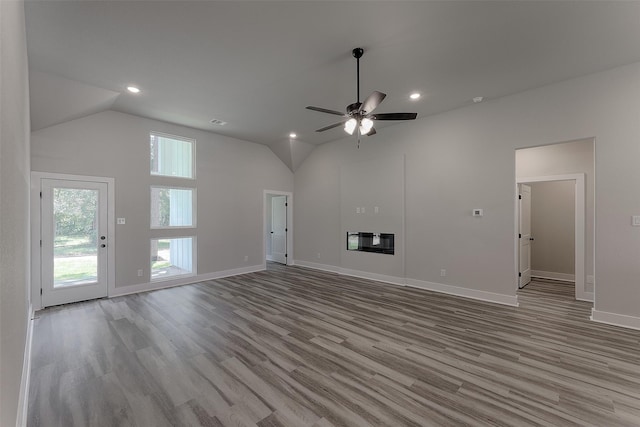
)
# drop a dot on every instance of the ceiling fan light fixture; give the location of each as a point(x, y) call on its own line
point(415, 95)
point(350, 126)
point(365, 126)
point(133, 89)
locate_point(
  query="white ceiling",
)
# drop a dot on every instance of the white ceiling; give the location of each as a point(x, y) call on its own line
point(256, 65)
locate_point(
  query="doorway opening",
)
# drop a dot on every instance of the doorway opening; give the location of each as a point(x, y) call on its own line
point(526, 239)
point(278, 227)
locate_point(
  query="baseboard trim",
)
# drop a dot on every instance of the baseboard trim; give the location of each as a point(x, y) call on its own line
point(562, 277)
point(153, 286)
point(317, 266)
point(511, 300)
point(23, 399)
point(588, 297)
point(622, 320)
point(398, 281)
point(430, 286)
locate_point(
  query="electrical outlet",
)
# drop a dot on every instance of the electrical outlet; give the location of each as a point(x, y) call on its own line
point(139, 273)
point(121, 221)
point(443, 272)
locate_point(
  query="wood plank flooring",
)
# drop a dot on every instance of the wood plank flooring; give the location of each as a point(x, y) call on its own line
point(298, 347)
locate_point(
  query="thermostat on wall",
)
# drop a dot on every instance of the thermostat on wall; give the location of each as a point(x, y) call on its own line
point(476, 212)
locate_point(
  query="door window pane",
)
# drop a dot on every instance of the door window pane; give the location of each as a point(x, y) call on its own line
point(171, 257)
point(171, 156)
point(171, 207)
point(75, 248)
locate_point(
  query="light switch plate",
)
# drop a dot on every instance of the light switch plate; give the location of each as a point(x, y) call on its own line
point(635, 220)
point(121, 221)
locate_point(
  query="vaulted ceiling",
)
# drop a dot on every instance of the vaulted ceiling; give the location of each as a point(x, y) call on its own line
point(256, 65)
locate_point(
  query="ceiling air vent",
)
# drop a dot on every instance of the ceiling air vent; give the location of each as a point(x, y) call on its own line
point(218, 122)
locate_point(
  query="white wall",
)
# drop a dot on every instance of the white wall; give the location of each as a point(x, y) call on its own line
point(464, 159)
point(560, 159)
point(231, 176)
point(14, 208)
point(553, 228)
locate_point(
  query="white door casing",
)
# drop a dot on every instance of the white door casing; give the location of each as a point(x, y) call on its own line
point(580, 227)
point(524, 235)
point(279, 229)
point(267, 213)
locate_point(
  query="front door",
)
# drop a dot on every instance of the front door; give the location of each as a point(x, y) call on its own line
point(74, 241)
point(279, 229)
point(525, 235)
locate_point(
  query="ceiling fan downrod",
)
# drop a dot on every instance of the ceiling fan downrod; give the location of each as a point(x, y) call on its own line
point(357, 53)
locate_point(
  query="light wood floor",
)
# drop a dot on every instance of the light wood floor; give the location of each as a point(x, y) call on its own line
point(298, 347)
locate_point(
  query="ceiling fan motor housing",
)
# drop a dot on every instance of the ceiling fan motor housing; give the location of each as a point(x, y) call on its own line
point(357, 52)
point(353, 108)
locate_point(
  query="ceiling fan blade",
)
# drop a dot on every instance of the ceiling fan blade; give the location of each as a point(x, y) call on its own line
point(324, 110)
point(395, 116)
point(372, 102)
point(335, 125)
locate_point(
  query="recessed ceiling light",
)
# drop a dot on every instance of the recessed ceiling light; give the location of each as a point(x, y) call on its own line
point(478, 99)
point(133, 89)
point(292, 135)
point(414, 95)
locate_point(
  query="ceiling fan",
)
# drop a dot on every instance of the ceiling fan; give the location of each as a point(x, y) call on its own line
point(359, 114)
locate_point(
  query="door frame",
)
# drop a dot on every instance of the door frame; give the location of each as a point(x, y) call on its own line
point(265, 227)
point(580, 211)
point(36, 217)
point(521, 235)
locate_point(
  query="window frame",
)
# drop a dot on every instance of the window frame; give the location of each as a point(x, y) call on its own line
point(194, 259)
point(177, 138)
point(194, 207)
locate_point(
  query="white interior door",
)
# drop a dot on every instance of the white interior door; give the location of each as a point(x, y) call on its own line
point(524, 235)
point(74, 241)
point(279, 229)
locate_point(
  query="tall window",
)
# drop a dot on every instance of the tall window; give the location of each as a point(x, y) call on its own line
point(172, 206)
point(171, 257)
point(172, 156)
